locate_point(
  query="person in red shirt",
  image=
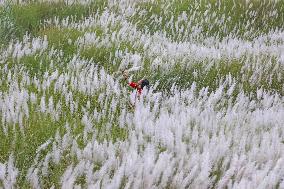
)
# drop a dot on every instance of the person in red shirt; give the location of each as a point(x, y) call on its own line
point(139, 85)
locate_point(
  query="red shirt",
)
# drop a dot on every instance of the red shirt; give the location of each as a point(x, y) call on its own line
point(135, 86)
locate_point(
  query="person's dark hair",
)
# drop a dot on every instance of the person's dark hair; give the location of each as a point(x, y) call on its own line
point(144, 83)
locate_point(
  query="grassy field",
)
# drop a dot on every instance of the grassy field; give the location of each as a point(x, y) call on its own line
point(213, 117)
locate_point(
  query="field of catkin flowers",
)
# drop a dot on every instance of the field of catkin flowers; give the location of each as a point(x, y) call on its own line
point(212, 118)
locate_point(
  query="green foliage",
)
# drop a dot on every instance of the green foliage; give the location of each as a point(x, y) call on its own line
point(62, 39)
point(183, 77)
point(214, 18)
point(7, 29)
point(37, 130)
point(105, 56)
point(29, 18)
point(17, 20)
point(100, 55)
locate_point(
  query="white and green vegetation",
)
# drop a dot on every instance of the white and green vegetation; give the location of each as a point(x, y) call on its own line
point(213, 118)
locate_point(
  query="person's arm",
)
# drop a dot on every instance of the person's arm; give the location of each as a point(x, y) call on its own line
point(131, 84)
point(125, 75)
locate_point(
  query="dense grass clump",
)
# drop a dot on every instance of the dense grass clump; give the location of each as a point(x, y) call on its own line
point(233, 18)
point(31, 17)
point(211, 118)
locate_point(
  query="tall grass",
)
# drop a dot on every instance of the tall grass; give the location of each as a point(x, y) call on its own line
point(232, 18)
point(29, 18)
point(212, 118)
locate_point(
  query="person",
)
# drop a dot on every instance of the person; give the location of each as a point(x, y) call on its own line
point(139, 86)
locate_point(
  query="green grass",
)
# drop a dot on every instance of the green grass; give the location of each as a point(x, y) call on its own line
point(236, 14)
point(105, 56)
point(183, 77)
point(62, 39)
point(37, 130)
point(29, 18)
point(39, 127)
point(7, 29)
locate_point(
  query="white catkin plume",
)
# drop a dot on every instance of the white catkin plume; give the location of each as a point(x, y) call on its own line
point(43, 146)
point(9, 173)
point(42, 104)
